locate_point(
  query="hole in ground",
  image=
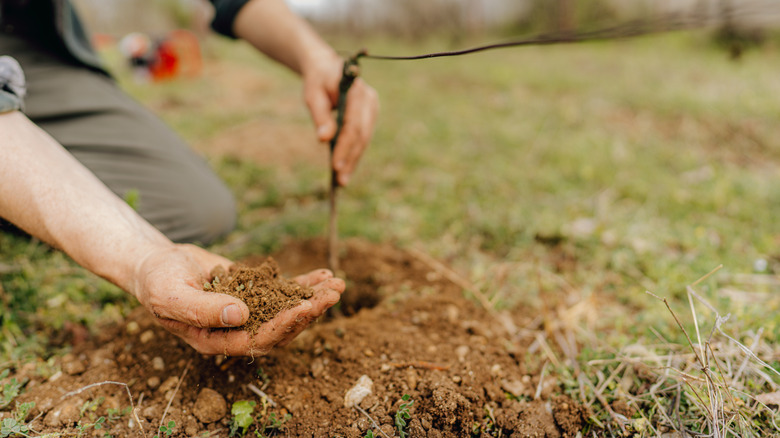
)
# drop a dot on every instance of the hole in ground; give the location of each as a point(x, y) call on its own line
point(372, 271)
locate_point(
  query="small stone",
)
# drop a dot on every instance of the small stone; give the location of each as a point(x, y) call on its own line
point(169, 384)
point(357, 393)
point(368, 352)
point(385, 368)
point(149, 412)
point(461, 352)
point(457, 379)
point(219, 359)
point(340, 332)
point(72, 366)
point(65, 414)
point(153, 382)
point(317, 367)
point(190, 425)
point(132, 328)
point(56, 376)
point(496, 370)
point(210, 406)
point(146, 336)
point(158, 363)
point(411, 378)
point(231, 378)
point(452, 313)
point(514, 387)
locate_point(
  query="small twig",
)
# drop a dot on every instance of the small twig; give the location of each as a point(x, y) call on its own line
point(745, 349)
point(540, 386)
point(261, 394)
point(421, 364)
point(679, 324)
point(615, 417)
point(178, 384)
point(664, 414)
point(707, 275)
point(611, 376)
point(728, 387)
point(547, 350)
point(108, 382)
point(376, 426)
point(746, 360)
point(229, 363)
point(695, 322)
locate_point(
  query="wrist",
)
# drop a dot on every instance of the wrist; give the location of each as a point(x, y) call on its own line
point(320, 61)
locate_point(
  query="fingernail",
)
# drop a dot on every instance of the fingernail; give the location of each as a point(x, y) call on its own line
point(345, 179)
point(231, 315)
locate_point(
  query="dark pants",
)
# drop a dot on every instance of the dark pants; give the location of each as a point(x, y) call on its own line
point(125, 145)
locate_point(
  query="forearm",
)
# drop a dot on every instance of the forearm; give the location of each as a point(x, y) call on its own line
point(273, 29)
point(48, 193)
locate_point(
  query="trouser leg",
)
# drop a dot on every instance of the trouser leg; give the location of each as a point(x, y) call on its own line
point(125, 145)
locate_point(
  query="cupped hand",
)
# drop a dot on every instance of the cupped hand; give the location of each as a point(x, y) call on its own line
point(321, 93)
point(169, 283)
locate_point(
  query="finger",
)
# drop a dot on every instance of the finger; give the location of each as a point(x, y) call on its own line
point(239, 342)
point(276, 330)
point(348, 140)
point(323, 299)
point(198, 308)
point(320, 107)
point(361, 113)
point(209, 341)
point(311, 278)
point(366, 120)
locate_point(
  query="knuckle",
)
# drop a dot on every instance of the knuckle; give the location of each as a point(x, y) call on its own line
point(197, 317)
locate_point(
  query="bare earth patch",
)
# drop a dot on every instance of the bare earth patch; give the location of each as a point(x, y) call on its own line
point(410, 331)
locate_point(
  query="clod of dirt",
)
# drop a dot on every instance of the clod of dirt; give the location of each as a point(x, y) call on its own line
point(210, 406)
point(264, 291)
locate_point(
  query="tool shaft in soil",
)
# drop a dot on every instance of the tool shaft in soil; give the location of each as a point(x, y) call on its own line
point(349, 73)
point(333, 236)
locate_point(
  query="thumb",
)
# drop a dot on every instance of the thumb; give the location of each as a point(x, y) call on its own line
point(320, 108)
point(203, 309)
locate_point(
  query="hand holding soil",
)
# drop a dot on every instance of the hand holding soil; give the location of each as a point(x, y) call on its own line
point(169, 284)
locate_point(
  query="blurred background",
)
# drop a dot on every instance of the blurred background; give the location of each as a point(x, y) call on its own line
point(416, 18)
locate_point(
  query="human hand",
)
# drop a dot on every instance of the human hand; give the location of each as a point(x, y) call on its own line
point(321, 93)
point(169, 283)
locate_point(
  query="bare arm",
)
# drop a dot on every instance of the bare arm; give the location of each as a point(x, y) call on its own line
point(274, 30)
point(49, 194)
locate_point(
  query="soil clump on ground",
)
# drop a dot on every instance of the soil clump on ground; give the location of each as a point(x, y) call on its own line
point(262, 288)
point(408, 329)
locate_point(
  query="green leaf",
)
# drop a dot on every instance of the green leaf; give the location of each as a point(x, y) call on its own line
point(242, 413)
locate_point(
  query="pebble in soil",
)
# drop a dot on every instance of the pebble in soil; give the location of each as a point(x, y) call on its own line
point(262, 288)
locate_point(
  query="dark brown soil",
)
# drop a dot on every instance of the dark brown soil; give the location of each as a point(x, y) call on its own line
point(262, 288)
point(414, 334)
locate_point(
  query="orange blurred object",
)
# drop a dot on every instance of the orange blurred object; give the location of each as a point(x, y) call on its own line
point(176, 55)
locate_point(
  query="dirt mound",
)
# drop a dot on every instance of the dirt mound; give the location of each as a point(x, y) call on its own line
point(420, 337)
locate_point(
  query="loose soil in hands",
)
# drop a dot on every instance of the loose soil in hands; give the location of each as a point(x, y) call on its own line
point(262, 288)
point(401, 323)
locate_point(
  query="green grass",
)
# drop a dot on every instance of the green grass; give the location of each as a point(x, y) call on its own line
point(549, 176)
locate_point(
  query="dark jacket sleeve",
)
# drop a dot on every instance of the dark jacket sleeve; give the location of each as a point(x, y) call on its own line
point(12, 85)
point(225, 15)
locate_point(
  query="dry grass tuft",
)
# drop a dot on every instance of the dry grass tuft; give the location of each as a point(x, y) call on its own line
point(712, 385)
